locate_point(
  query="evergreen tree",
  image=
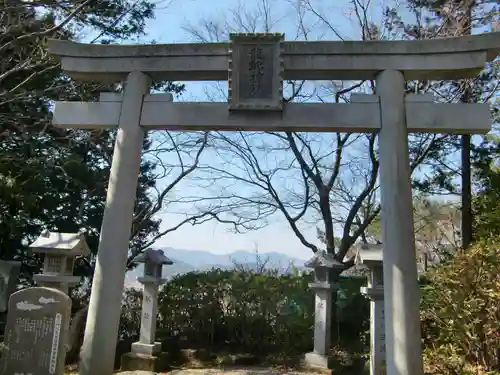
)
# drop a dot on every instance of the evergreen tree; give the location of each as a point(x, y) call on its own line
point(53, 178)
point(445, 18)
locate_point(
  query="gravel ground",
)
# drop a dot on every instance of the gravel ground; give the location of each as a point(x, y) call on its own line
point(243, 371)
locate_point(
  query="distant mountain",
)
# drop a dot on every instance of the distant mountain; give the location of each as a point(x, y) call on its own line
point(203, 259)
point(197, 260)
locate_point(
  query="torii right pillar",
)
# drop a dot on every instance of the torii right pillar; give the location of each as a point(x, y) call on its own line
point(402, 294)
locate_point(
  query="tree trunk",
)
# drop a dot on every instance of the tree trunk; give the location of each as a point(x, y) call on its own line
point(466, 143)
point(76, 332)
point(466, 193)
point(334, 329)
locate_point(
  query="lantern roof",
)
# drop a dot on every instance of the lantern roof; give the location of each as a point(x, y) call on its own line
point(69, 244)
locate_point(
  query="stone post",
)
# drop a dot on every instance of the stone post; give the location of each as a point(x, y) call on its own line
point(101, 330)
point(371, 256)
point(9, 272)
point(145, 354)
point(401, 293)
point(324, 286)
point(147, 343)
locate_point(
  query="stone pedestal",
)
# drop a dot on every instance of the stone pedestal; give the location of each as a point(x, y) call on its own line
point(377, 330)
point(372, 257)
point(326, 268)
point(146, 343)
point(146, 353)
point(319, 358)
point(148, 349)
point(144, 362)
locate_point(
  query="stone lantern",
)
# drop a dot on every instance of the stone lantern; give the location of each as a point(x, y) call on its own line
point(145, 354)
point(372, 257)
point(326, 267)
point(60, 251)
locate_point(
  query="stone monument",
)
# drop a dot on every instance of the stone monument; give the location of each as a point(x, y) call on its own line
point(146, 353)
point(36, 332)
point(60, 250)
point(371, 257)
point(390, 112)
point(325, 266)
point(9, 272)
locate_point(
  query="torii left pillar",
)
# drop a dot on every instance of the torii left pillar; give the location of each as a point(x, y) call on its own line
point(99, 344)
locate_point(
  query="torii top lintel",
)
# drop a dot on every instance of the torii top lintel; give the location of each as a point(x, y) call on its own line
point(446, 58)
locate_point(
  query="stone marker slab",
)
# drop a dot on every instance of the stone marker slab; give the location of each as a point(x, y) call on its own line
point(36, 332)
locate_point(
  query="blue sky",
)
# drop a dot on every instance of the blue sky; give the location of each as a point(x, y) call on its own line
point(172, 17)
point(168, 27)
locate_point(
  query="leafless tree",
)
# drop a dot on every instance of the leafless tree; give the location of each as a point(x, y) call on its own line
point(25, 27)
point(310, 179)
point(178, 156)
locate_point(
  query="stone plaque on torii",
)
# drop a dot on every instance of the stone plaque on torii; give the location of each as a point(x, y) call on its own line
point(256, 72)
point(389, 112)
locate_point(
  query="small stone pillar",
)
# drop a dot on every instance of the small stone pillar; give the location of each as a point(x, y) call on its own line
point(9, 273)
point(60, 251)
point(371, 257)
point(146, 353)
point(324, 266)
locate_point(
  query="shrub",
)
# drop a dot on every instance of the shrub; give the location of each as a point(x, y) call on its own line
point(130, 317)
point(246, 311)
point(461, 312)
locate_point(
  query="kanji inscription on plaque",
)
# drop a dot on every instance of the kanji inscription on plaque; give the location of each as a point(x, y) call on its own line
point(256, 72)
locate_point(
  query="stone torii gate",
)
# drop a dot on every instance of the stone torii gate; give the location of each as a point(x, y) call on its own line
point(255, 66)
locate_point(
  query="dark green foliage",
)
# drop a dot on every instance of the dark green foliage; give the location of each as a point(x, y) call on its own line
point(56, 178)
point(429, 19)
point(460, 308)
point(486, 158)
point(246, 311)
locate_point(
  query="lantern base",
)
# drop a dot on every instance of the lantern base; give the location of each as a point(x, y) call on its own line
point(148, 349)
point(144, 362)
point(59, 282)
point(317, 361)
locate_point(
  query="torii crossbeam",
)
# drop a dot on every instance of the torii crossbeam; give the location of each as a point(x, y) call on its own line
point(255, 66)
point(362, 115)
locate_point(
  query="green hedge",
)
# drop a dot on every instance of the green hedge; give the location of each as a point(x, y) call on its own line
point(246, 311)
